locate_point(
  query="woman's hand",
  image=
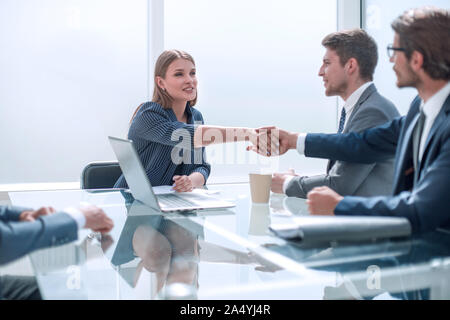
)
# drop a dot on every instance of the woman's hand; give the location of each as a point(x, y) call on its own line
point(183, 184)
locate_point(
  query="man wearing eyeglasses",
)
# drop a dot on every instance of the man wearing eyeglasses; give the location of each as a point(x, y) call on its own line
point(347, 71)
point(420, 140)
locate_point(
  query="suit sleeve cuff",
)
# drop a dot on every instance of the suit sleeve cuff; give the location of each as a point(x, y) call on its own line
point(301, 143)
point(77, 215)
point(286, 183)
point(14, 212)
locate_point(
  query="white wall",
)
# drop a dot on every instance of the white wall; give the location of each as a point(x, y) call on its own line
point(257, 64)
point(71, 73)
point(378, 16)
point(349, 14)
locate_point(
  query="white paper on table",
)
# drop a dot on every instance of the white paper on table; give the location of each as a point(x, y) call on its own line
point(169, 189)
point(163, 189)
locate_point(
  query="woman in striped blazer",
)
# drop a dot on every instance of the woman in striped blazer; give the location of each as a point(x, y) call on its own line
point(169, 133)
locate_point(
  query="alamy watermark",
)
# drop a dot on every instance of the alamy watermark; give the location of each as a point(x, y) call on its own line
point(222, 151)
point(73, 281)
point(373, 277)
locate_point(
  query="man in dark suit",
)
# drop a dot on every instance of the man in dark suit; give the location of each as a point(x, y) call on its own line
point(420, 140)
point(23, 230)
point(347, 71)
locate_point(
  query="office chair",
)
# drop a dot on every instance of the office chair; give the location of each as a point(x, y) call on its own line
point(100, 175)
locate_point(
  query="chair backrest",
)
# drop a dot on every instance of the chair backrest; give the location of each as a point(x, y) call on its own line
point(100, 175)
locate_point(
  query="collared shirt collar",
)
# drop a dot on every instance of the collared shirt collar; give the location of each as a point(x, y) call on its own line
point(432, 107)
point(354, 97)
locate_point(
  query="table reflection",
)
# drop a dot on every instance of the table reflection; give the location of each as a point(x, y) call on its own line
point(170, 248)
point(406, 269)
point(259, 219)
point(229, 254)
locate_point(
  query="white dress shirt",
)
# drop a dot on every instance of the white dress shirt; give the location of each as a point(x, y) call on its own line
point(431, 109)
point(349, 106)
point(353, 99)
point(77, 215)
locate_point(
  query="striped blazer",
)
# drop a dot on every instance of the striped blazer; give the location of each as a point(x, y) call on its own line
point(165, 145)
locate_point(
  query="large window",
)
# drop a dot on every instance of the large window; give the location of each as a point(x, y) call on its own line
point(72, 73)
point(257, 63)
point(377, 18)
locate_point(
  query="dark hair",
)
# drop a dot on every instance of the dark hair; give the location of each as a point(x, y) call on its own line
point(426, 30)
point(354, 43)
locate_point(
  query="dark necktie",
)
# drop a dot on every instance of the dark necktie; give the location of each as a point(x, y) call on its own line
point(417, 136)
point(341, 128)
point(342, 121)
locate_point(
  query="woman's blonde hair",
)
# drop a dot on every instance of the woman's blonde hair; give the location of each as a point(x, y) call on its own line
point(161, 96)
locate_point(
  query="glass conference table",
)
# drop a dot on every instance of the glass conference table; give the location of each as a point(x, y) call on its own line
point(227, 254)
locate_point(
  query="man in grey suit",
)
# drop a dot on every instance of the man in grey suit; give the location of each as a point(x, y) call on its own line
point(23, 230)
point(347, 71)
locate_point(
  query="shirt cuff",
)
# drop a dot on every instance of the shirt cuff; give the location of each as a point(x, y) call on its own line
point(77, 215)
point(202, 170)
point(286, 182)
point(301, 143)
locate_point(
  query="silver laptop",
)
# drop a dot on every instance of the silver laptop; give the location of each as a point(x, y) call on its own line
point(140, 186)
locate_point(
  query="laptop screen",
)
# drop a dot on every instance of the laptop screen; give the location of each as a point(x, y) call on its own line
point(134, 172)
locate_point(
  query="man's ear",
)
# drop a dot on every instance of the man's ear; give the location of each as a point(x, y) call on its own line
point(352, 66)
point(416, 61)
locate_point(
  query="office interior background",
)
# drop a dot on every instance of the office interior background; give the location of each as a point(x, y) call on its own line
point(73, 72)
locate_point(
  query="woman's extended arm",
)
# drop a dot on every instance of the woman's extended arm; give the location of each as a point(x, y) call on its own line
point(155, 125)
point(206, 135)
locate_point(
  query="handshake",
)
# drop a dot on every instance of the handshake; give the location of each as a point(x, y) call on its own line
point(272, 141)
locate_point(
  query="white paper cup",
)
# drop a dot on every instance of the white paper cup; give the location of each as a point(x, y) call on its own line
point(260, 187)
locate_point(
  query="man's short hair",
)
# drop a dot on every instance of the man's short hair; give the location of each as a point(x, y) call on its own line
point(426, 30)
point(354, 43)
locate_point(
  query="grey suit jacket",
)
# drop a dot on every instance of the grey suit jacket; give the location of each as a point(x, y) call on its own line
point(348, 178)
point(20, 238)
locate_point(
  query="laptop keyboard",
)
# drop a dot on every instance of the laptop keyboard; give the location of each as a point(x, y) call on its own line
point(174, 202)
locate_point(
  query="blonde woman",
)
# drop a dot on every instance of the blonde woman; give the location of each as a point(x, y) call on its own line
point(169, 133)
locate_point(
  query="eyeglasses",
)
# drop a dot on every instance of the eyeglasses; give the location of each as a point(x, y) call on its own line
point(391, 50)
